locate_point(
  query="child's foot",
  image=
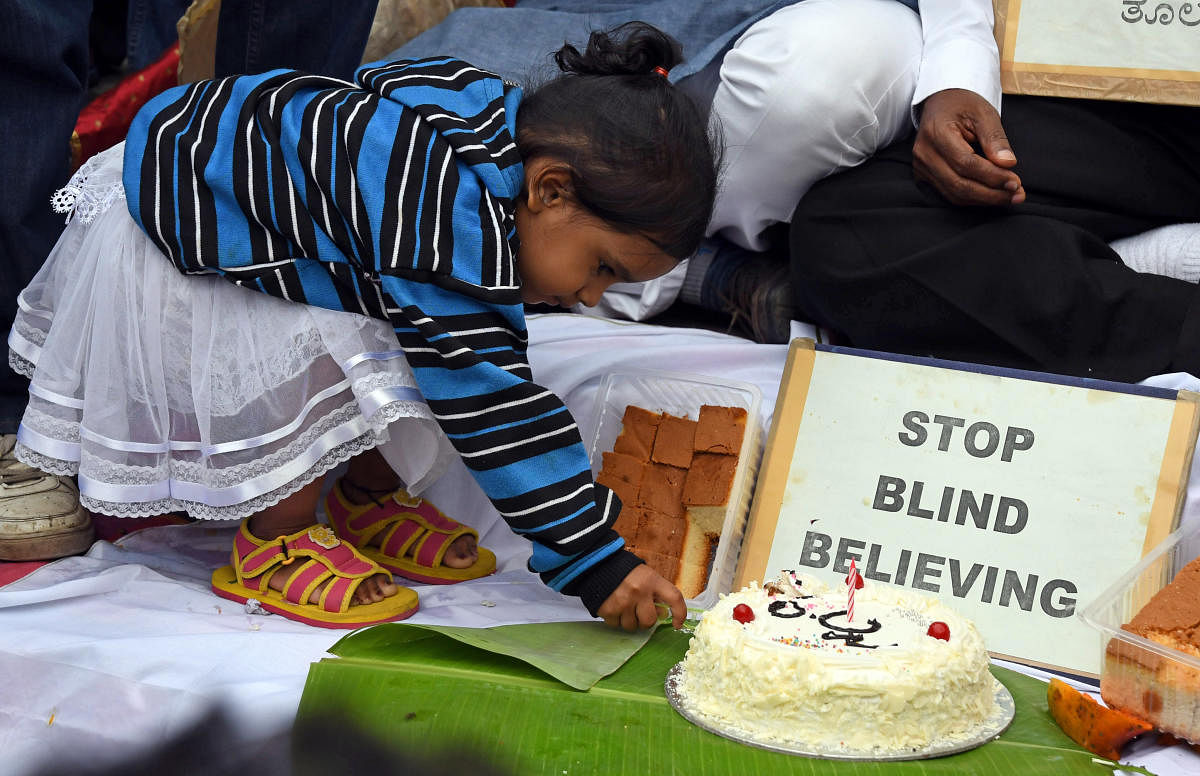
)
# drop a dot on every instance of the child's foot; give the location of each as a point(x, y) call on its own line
point(462, 553)
point(372, 590)
point(311, 576)
point(407, 535)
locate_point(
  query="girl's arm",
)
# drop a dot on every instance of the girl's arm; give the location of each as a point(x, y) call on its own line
point(518, 440)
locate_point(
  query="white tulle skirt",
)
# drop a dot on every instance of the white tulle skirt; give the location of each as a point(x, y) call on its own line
point(167, 392)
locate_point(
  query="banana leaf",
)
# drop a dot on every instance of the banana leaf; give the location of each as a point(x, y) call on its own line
point(433, 696)
point(578, 654)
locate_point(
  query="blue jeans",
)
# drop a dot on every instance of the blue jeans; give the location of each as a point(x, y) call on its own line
point(326, 37)
point(316, 36)
point(150, 29)
point(43, 85)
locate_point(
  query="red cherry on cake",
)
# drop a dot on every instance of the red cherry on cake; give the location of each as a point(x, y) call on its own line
point(939, 630)
point(743, 613)
point(858, 581)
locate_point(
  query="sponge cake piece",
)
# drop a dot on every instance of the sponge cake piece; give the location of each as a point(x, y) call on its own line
point(720, 429)
point(675, 441)
point(639, 427)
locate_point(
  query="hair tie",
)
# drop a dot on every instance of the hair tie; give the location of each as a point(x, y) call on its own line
point(661, 70)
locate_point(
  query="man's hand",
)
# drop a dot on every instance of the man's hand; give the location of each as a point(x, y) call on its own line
point(953, 123)
point(633, 604)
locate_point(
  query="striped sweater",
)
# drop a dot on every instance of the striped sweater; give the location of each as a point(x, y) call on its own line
point(392, 197)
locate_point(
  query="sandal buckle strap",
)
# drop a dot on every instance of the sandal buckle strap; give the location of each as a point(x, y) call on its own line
point(318, 543)
point(337, 554)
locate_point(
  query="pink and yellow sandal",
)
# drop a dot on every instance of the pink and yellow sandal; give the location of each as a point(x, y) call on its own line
point(323, 557)
point(414, 536)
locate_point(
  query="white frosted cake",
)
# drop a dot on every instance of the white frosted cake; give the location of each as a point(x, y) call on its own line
point(781, 665)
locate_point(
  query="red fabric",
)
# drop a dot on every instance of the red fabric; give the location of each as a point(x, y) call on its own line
point(105, 121)
point(11, 571)
point(109, 528)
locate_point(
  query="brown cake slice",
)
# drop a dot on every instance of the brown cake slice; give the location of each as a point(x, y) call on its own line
point(662, 488)
point(622, 474)
point(707, 488)
point(706, 492)
point(666, 565)
point(695, 564)
point(675, 441)
point(720, 429)
point(626, 524)
point(639, 427)
point(1165, 692)
point(661, 533)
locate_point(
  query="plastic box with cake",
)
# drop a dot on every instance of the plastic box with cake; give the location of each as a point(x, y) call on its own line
point(682, 395)
point(1150, 680)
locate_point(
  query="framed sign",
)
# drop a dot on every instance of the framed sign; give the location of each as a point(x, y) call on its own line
point(1136, 50)
point(1015, 497)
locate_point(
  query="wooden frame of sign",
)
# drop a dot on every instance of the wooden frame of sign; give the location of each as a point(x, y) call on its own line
point(1135, 50)
point(1016, 497)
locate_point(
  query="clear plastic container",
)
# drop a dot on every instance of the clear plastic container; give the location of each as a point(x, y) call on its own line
point(682, 394)
point(1140, 676)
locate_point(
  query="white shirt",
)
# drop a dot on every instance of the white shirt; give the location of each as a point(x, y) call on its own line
point(959, 51)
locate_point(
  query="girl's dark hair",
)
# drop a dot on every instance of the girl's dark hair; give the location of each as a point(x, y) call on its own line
point(639, 151)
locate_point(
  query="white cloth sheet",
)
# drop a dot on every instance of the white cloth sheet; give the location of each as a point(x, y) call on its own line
point(112, 652)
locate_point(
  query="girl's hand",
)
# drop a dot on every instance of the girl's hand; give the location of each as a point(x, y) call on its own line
point(632, 605)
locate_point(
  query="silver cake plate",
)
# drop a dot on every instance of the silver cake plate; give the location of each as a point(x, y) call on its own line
point(1003, 710)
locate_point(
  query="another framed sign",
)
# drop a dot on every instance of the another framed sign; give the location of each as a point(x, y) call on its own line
point(1136, 50)
point(1016, 497)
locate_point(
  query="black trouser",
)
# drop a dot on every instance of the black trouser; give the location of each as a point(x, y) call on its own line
point(890, 265)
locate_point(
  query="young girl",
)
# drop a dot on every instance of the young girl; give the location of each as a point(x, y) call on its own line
point(384, 234)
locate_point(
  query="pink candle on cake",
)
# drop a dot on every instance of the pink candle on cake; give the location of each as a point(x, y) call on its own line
point(853, 583)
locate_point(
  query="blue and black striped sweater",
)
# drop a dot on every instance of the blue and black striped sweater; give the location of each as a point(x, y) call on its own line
point(392, 197)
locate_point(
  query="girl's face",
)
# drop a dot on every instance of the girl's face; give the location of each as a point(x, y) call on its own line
point(567, 256)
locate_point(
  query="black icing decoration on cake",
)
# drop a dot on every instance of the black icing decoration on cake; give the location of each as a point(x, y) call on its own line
point(849, 634)
point(775, 609)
